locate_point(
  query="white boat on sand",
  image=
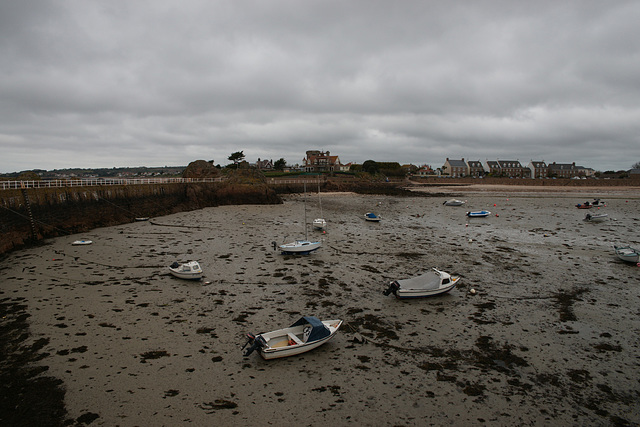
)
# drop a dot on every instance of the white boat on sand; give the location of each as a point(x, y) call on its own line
point(319, 224)
point(190, 270)
point(425, 285)
point(627, 254)
point(478, 214)
point(304, 335)
point(82, 242)
point(299, 246)
point(453, 202)
point(596, 217)
point(370, 216)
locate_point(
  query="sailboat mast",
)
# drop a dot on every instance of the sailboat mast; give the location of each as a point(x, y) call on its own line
point(305, 211)
point(319, 198)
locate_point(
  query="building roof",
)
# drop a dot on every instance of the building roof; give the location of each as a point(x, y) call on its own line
point(457, 163)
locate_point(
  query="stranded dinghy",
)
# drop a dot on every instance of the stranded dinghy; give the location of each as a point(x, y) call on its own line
point(304, 335)
point(190, 270)
point(425, 285)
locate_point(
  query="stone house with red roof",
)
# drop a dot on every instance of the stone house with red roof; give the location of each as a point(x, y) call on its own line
point(320, 161)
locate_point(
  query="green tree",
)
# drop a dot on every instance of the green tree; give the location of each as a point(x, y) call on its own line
point(370, 166)
point(636, 165)
point(280, 164)
point(236, 157)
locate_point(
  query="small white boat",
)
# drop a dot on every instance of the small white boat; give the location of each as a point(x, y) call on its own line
point(596, 217)
point(298, 247)
point(319, 224)
point(306, 334)
point(478, 214)
point(370, 216)
point(190, 270)
point(597, 203)
point(425, 285)
point(453, 202)
point(82, 242)
point(142, 218)
point(627, 253)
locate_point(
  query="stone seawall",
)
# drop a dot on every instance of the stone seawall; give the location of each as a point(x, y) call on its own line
point(32, 215)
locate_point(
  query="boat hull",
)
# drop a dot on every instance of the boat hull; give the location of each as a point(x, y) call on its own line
point(299, 247)
point(627, 254)
point(371, 217)
point(187, 271)
point(192, 276)
point(422, 286)
point(82, 242)
point(480, 214)
point(319, 224)
point(283, 335)
point(418, 293)
point(596, 218)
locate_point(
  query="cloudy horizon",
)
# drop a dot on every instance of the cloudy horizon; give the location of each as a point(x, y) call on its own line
point(88, 84)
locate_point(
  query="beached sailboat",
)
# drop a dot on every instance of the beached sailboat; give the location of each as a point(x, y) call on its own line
point(300, 246)
point(319, 223)
point(306, 334)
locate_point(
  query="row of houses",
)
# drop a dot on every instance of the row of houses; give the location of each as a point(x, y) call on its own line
point(323, 161)
point(510, 168)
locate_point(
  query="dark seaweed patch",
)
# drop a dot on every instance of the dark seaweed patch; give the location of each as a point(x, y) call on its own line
point(564, 303)
point(376, 324)
point(150, 355)
point(28, 397)
point(607, 347)
point(217, 405)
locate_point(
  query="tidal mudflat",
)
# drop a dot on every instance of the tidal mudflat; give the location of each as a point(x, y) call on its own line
point(551, 334)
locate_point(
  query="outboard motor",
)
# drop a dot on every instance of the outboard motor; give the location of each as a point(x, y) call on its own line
point(256, 342)
point(175, 264)
point(393, 287)
point(275, 245)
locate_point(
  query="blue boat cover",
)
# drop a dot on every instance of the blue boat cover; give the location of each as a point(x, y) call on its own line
point(318, 330)
point(371, 215)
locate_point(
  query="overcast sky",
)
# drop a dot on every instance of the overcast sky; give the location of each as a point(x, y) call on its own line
point(152, 83)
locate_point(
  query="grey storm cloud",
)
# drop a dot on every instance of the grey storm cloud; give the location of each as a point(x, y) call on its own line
point(146, 83)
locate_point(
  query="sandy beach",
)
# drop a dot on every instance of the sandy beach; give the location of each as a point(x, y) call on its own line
point(551, 335)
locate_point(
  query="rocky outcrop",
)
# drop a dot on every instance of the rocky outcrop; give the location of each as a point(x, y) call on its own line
point(201, 169)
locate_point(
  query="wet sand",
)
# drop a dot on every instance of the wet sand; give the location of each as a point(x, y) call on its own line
point(550, 337)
